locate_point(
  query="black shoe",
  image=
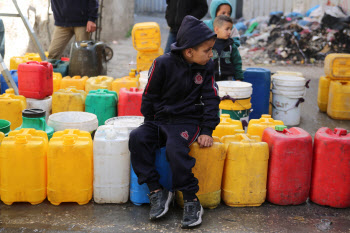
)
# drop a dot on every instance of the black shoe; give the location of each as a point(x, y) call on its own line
point(160, 202)
point(192, 216)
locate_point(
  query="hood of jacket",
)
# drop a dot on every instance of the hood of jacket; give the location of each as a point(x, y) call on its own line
point(192, 32)
point(214, 5)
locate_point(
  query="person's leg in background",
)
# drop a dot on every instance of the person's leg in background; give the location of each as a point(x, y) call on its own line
point(171, 39)
point(60, 39)
point(81, 33)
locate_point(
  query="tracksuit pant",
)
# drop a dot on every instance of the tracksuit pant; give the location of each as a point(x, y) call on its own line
point(177, 138)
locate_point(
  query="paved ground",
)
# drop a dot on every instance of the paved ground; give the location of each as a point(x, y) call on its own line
point(309, 217)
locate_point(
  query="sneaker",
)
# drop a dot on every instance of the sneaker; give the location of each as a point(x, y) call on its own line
point(193, 212)
point(160, 202)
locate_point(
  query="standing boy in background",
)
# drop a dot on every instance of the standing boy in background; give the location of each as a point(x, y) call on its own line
point(227, 60)
point(180, 104)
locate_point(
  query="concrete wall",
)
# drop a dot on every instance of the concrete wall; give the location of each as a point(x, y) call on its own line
point(117, 19)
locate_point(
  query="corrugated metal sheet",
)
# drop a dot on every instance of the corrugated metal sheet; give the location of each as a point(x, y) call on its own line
point(150, 6)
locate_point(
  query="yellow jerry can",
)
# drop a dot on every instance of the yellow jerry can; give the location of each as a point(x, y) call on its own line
point(57, 78)
point(76, 81)
point(339, 100)
point(227, 126)
point(323, 91)
point(70, 167)
point(11, 107)
point(337, 66)
point(146, 36)
point(69, 99)
point(208, 170)
point(245, 172)
point(216, 139)
point(99, 82)
point(226, 140)
point(125, 82)
point(257, 126)
point(23, 166)
point(144, 59)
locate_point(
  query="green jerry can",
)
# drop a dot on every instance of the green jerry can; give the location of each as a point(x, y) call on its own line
point(103, 103)
point(60, 66)
point(88, 58)
point(35, 119)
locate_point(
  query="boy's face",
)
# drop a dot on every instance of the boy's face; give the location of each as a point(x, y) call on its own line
point(224, 31)
point(224, 10)
point(202, 54)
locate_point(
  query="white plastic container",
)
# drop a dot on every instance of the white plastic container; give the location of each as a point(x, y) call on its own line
point(237, 90)
point(73, 120)
point(130, 122)
point(111, 165)
point(288, 93)
point(143, 79)
point(44, 104)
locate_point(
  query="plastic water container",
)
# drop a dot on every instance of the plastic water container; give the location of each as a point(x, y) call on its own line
point(15, 61)
point(227, 126)
point(99, 82)
point(337, 66)
point(69, 99)
point(146, 36)
point(208, 170)
point(4, 85)
point(145, 59)
point(226, 140)
point(102, 103)
point(4, 127)
point(143, 80)
point(245, 172)
point(88, 58)
point(35, 119)
point(44, 104)
point(130, 122)
point(130, 102)
point(70, 167)
point(111, 165)
point(125, 82)
point(11, 107)
point(60, 66)
point(338, 100)
point(323, 93)
point(288, 93)
point(290, 163)
point(260, 79)
point(83, 121)
point(57, 79)
point(35, 79)
point(76, 81)
point(257, 126)
point(331, 171)
point(23, 166)
point(238, 99)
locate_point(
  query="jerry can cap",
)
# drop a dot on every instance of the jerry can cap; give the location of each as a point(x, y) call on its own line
point(340, 131)
point(280, 128)
point(33, 113)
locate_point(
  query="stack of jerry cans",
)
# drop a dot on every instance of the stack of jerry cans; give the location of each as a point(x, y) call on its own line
point(146, 40)
point(23, 166)
point(70, 167)
point(334, 87)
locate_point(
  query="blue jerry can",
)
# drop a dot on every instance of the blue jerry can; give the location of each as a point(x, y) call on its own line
point(260, 78)
point(4, 85)
point(138, 193)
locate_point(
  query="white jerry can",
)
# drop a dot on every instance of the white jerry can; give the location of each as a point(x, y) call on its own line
point(111, 165)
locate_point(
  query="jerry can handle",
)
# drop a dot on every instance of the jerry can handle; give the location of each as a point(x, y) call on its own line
point(43, 122)
point(307, 83)
point(32, 62)
point(227, 97)
point(340, 132)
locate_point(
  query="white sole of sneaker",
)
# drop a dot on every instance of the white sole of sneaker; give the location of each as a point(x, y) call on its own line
point(167, 203)
point(199, 219)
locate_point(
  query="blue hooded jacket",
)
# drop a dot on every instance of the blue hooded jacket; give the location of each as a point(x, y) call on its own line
point(74, 13)
point(214, 5)
point(179, 92)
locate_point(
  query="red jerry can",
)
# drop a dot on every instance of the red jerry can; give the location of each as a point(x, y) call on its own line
point(130, 102)
point(330, 184)
point(35, 79)
point(290, 163)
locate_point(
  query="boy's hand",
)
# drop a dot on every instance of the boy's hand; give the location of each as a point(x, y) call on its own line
point(205, 141)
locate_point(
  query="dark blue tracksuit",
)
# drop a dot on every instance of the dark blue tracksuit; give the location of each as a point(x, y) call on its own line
point(180, 102)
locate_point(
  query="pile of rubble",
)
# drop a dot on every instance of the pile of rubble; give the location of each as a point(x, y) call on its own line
point(295, 38)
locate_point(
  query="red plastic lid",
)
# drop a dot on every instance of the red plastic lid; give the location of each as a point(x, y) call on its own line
point(64, 58)
point(340, 131)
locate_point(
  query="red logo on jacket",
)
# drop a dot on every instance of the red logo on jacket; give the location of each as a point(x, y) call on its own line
point(185, 135)
point(198, 79)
